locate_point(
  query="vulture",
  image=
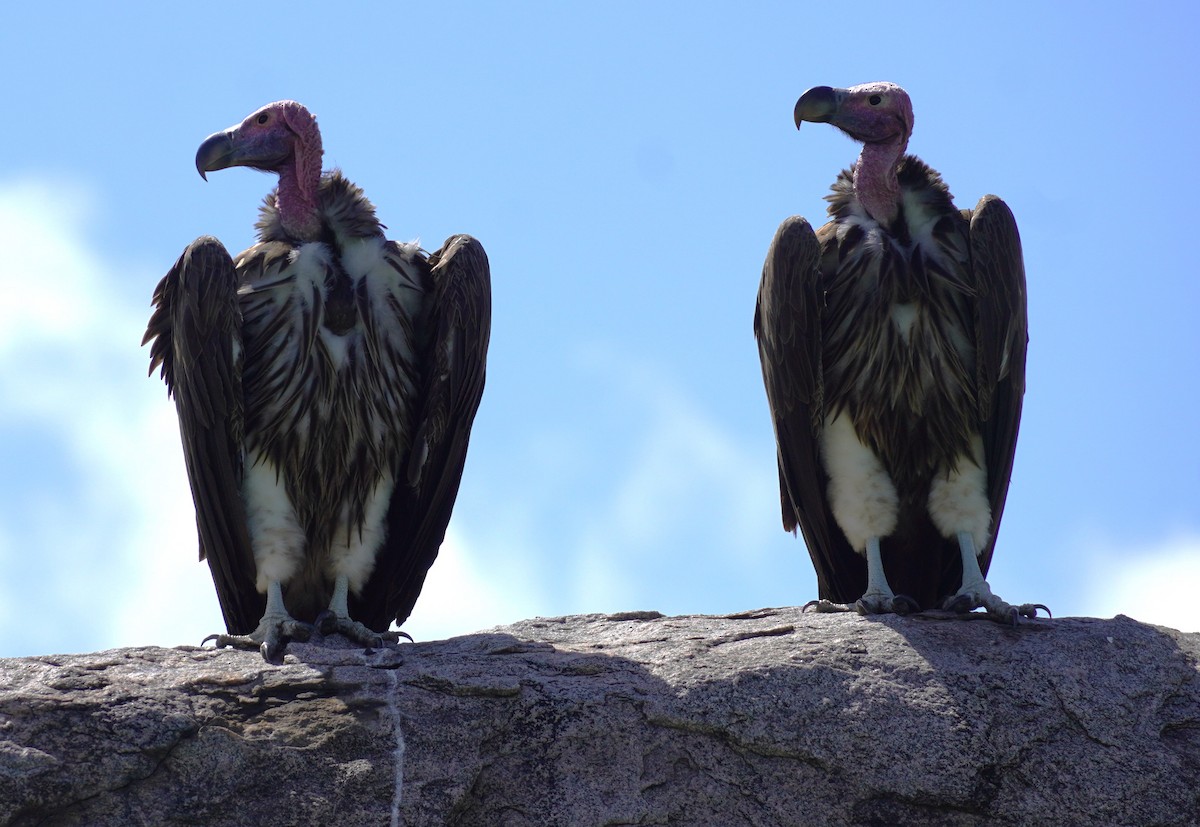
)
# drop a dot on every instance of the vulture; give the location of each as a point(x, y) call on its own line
point(892, 343)
point(325, 381)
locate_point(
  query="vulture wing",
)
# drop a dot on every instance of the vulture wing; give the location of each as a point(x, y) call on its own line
point(196, 328)
point(1001, 338)
point(458, 318)
point(787, 324)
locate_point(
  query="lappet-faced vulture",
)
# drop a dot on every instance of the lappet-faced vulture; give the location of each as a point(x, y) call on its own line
point(893, 345)
point(326, 381)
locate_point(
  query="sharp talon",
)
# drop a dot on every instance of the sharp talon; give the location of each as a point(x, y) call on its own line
point(1045, 609)
point(959, 603)
point(822, 606)
point(273, 655)
point(410, 637)
point(211, 637)
point(326, 622)
point(297, 631)
point(273, 646)
point(875, 604)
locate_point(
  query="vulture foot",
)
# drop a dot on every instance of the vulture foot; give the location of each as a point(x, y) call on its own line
point(975, 593)
point(875, 603)
point(868, 604)
point(270, 638)
point(329, 623)
point(824, 606)
point(997, 609)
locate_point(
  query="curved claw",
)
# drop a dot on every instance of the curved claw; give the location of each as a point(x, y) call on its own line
point(960, 603)
point(874, 604)
point(1027, 610)
point(904, 605)
point(274, 645)
point(326, 622)
point(246, 643)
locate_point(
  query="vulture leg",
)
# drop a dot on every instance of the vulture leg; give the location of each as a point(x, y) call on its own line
point(959, 507)
point(274, 631)
point(351, 561)
point(878, 598)
point(864, 503)
point(976, 593)
point(336, 619)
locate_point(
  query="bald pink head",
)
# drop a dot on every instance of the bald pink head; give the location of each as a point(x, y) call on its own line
point(871, 113)
point(880, 116)
point(283, 138)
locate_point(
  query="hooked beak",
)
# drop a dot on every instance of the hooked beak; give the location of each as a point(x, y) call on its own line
point(818, 105)
point(217, 152)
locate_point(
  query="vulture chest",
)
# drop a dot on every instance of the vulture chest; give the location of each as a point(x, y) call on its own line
point(331, 371)
point(898, 340)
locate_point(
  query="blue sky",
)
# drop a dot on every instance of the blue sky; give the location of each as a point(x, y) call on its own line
point(625, 166)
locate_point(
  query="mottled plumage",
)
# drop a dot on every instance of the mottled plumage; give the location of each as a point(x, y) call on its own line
point(326, 381)
point(893, 343)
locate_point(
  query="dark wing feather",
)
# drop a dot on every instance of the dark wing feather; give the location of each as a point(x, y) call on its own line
point(195, 328)
point(459, 317)
point(1001, 338)
point(787, 324)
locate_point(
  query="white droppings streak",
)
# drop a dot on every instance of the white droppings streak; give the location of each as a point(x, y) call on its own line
point(398, 752)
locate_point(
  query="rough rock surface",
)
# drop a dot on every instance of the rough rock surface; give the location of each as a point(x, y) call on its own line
point(765, 718)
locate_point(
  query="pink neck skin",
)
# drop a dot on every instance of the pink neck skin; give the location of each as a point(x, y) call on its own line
point(297, 198)
point(875, 181)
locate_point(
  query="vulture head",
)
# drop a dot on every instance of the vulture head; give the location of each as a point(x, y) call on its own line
point(269, 139)
point(870, 113)
point(283, 138)
point(880, 117)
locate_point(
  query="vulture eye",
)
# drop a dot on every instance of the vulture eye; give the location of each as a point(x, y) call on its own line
point(873, 100)
point(264, 117)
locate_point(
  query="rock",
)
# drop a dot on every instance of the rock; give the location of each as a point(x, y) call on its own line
point(765, 718)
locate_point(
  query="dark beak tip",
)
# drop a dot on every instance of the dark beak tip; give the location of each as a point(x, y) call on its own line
point(216, 152)
point(817, 105)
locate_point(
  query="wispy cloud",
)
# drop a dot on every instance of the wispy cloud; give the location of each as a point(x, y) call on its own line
point(691, 523)
point(465, 592)
point(1155, 583)
point(96, 512)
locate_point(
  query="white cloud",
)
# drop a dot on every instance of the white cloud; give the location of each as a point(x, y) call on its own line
point(465, 593)
point(108, 521)
point(691, 523)
point(1154, 584)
